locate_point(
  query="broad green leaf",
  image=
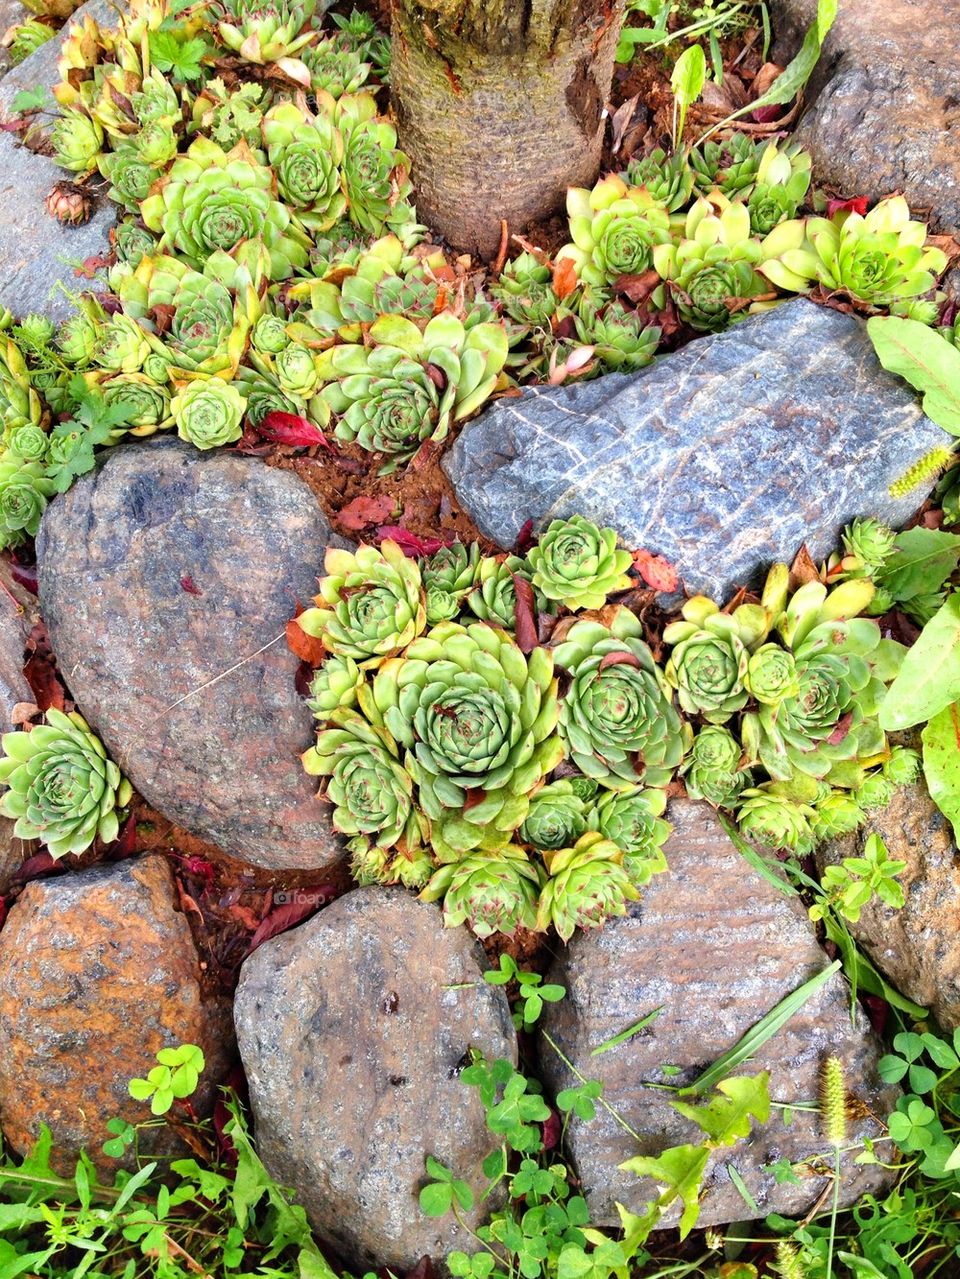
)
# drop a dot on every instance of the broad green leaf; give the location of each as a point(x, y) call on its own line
point(941, 763)
point(436, 1199)
point(921, 561)
point(929, 680)
point(765, 1029)
point(680, 1169)
point(28, 100)
point(926, 360)
point(689, 75)
point(726, 1118)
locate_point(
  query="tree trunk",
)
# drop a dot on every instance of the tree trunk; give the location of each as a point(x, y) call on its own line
point(500, 107)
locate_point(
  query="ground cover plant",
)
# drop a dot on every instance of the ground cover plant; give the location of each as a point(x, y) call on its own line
point(498, 732)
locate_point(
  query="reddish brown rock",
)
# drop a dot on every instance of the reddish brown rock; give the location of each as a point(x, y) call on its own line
point(884, 113)
point(98, 971)
point(353, 1030)
point(166, 581)
point(715, 946)
point(918, 946)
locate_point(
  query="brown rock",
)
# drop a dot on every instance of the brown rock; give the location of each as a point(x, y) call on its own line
point(885, 112)
point(715, 946)
point(98, 971)
point(187, 566)
point(353, 1029)
point(918, 946)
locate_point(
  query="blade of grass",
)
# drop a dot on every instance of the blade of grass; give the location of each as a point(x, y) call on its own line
point(745, 1194)
point(616, 1040)
point(759, 864)
point(765, 1029)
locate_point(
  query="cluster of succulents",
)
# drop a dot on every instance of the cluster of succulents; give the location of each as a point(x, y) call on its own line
point(524, 783)
point(61, 787)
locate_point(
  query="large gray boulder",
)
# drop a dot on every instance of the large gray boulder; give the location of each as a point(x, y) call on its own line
point(166, 580)
point(353, 1030)
point(715, 946)
point(885, 100)
point(723, 456)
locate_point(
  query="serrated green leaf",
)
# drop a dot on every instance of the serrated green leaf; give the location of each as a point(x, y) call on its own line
point(680, 1169)
point(726, 1118)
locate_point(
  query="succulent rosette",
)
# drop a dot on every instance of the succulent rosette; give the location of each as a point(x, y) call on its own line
point(772, 675)
point(477, 719)
point(871, 541)
point(578, 564)
point(77, 140)
point(24, 490)
point(448, 575)
point(148, 404)
point(494, 598)
point(375, 172)
point(129, 175)
point(617, 717)
point(208, 412)
point(265, 31)
point(334, 686)
point(835, 815)
point(712, 770)
point(875, 791)
point(370, 605)
point(305, 152)
point(27, 442)
point(133, 242)
point(525, 291)
point(371, 792)
point(27, 38)
point(19, 402)
point(77, 339)
point(772, 817)
point(211, 200)
point(614, 229)
point(708, 666)
point(62, 788)
point(586, 885)
point(270, 335)
point(409, 385)
point(878, 258)
point(731, 165)
point(633, 819)
point(122, 345)
point(902, 766)
point(557, 817)
point(492, 892)
point(668, 179)
point(620, 338)
point(783, 179)
point(712, 265)
point(335, 68)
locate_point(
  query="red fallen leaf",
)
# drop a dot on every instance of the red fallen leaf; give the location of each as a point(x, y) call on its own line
point(524, 538)
point(564, 278)
point(37, 866)
point(89, 267)
point(638, 287)
point(292, 430)
point(15, 126)
point(125, 845)
point(764, 115)
point(878, 1010)
point(803, 569)
point(362, 511)
point(550, 1131)
point(656, 571)
point(297, 906)
point(307, 647)
point(25, 575)
point(190, 586)
point(412, 544)
point(524, 614)
point(856, 205)
point(199, 868)
point(40, 671)
point(618, 659)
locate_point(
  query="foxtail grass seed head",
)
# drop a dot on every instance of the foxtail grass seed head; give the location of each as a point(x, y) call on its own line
point(928, 468)
point(833, 1102)
point(789, 1265)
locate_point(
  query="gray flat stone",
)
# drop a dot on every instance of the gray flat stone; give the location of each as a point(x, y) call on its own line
point(884, 111)
point(38, 254)
point(353, 1030)
point(722, 456)
point(12, 13)
point(715, 946)
point(189, 565)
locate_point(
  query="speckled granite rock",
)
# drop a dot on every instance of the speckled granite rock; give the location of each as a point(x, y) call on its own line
point(723, 456)
point(37, 253)
point(353, 1031)
point(98, 972)
point(716, 946)
point(918, 946)
point(885, 100)
point(189, 566)
point(39, 71)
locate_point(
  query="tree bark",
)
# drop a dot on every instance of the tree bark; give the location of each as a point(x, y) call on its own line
point(500, 107)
